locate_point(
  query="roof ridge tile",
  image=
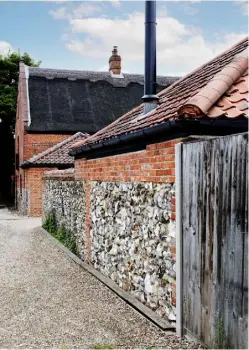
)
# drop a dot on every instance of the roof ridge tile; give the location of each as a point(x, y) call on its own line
point(95, 76)
point(207, 96)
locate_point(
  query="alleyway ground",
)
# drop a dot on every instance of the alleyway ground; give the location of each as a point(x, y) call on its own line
point(48, 301)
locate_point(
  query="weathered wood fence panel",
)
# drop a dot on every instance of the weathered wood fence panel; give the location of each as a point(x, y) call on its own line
point(215, 240)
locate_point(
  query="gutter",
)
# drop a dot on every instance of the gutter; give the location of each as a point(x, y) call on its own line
point(167, 130)
point(124, 138)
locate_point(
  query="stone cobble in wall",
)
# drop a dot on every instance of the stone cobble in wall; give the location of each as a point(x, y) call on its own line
point(23, 200)
point(66, 200)
point(133, 240)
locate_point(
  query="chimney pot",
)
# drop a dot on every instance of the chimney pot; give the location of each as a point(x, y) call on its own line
point(115, 62)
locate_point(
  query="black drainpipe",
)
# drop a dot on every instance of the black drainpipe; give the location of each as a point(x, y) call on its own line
point(150, 98)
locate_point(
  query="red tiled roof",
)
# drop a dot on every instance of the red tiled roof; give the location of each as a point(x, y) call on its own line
point(182, 99)
point(58, 154)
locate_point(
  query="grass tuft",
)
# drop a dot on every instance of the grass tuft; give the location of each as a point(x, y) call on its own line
point(65, 237)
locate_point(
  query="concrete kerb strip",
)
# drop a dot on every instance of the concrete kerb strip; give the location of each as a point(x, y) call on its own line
point(138, 306)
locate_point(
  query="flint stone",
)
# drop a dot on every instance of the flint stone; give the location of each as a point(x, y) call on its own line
point(66, 200)
point(135, 227)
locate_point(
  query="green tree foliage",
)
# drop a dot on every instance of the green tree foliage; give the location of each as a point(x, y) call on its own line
point(9, 71)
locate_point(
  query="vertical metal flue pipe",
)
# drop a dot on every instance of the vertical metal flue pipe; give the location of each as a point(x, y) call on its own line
point(150, 98)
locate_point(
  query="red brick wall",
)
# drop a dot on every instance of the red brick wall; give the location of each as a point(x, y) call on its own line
point(36, 143)
point(33, 184)
point(155, 164)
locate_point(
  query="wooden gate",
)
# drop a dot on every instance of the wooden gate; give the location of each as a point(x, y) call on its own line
point(212, 234)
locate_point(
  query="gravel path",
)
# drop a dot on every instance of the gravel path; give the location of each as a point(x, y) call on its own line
point(48, 301)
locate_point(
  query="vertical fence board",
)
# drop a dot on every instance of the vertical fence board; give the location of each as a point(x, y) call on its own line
point(215, 240)
point(179, 241)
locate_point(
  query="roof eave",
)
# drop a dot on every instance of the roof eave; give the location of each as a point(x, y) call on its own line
point(169, 130)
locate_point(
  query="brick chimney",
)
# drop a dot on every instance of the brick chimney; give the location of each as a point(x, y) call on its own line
point(115, 62)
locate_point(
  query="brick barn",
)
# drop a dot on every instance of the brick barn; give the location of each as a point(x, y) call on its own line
point(128, 173)
point(54, 104)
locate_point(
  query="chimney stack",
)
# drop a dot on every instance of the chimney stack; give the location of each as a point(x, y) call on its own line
point(115, 62)
point(150, 99)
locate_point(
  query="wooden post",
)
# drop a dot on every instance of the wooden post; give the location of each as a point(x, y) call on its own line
point(179, 257)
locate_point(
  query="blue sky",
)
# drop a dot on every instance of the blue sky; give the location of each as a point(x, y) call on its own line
point(80, 35)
